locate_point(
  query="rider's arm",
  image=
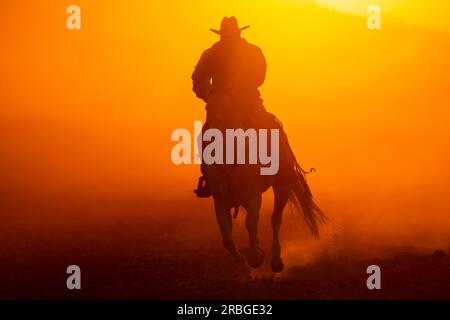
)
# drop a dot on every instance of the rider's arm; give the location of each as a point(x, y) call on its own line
point(201, 78)
point(259, 67)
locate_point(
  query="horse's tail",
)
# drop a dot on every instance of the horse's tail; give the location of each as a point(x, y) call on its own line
point(302, 199)
point(301, 196)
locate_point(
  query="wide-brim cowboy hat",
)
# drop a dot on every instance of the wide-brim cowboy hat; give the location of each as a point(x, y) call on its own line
point(229, 26)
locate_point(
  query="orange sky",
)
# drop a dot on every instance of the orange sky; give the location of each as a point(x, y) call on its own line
point(91, 111)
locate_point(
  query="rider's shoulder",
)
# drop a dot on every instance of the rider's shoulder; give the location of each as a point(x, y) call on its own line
point(251, 46)
point(210, 51)
point(216, 46)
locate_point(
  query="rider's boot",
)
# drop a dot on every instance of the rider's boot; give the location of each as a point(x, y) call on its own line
point(203, 190)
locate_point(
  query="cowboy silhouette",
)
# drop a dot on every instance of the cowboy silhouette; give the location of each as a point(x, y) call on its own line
point(227, 78)
point(235, 68)
point(231, 65)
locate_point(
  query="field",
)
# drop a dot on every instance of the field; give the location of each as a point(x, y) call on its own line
point(136, 250)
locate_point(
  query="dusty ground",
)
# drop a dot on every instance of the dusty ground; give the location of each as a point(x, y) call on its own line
point(176, 254)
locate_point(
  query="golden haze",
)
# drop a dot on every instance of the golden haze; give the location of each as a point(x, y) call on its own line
point(91, 111)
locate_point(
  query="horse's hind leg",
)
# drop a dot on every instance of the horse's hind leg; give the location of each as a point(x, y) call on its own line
point(223, 216)
point(281, 194)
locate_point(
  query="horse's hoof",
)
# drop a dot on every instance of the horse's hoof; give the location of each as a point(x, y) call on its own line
point(245, 252)
point(277, 265)
point(256, 259)
point(240, 257)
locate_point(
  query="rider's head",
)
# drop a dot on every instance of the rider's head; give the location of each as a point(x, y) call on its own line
point(229, 30)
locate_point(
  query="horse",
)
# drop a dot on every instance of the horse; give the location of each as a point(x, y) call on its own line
point(233, 186)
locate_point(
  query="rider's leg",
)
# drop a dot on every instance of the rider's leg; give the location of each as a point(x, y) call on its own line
point(203, 190)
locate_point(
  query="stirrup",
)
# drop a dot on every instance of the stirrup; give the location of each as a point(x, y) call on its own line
point(202, 190)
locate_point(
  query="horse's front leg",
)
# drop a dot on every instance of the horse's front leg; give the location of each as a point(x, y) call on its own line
point(255, 254)
point(223, 216)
